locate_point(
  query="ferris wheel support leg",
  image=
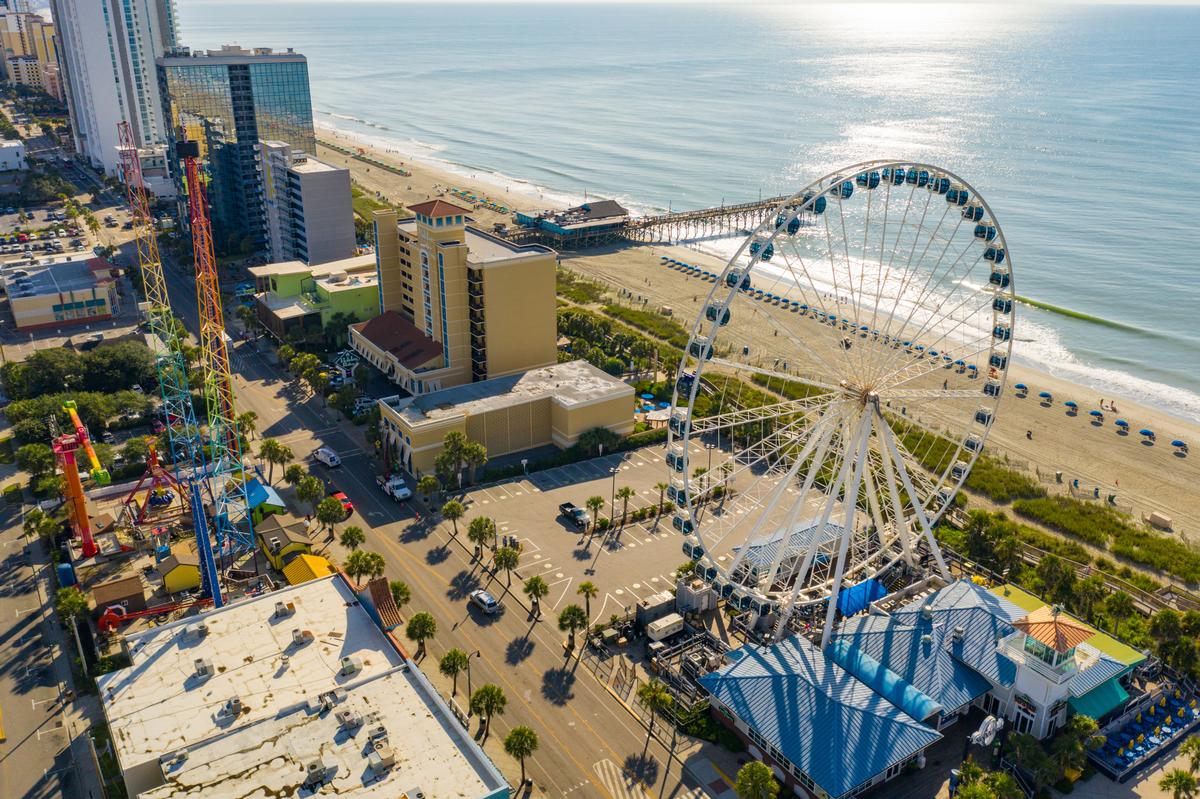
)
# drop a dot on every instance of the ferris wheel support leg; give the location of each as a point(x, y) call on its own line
point(926, 528)
point(864, 438)
point(786, 611)
point(889, 474)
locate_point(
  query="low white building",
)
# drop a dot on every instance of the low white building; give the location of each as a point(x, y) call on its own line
point(12, 155)
point(292, 693)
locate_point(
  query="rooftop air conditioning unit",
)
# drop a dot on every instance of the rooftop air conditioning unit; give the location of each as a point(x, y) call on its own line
point(199, 629)
point(378, 732)
point(232, 706)
point(314, 772)
point(283, 609)
point(301, 637)
point(381, 757)
point(274, 544)
point(348, 719)
point(204, 667)
point(351, 665)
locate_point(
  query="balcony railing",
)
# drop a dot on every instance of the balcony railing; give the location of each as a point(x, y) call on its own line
point(1013, 647)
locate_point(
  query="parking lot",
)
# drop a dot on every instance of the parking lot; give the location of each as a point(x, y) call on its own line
point(627, 565)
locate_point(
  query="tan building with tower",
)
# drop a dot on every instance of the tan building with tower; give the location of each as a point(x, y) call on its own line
point(469, 330)
point(459, 305)
point(29, 44)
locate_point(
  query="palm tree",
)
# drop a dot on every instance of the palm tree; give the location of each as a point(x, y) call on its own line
point(520, 743)
point(474, 455)
point(453, 510)
point(427, 486)
point(587, 589)
point(421, 627)
point(624, 493)
point(352, 537)
point(274, 452)
point(452, 663)
point(362, 563)
point(293, 474)
point(662, 490)
point(488, 701)
point(1191, 750)
point(1179, 783)
point(401, 593)
point(1120, 607)
point(655, 696)
point(247, 423)
point(480, 530)
point(536, 589)
point(310, 490)
point(1003, 786)
point(594, 504)
point(508, 559)
point(756, 781)
point(330, 511)
point(571, 619)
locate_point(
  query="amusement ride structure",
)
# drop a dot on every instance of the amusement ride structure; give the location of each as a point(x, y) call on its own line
point(874, 310)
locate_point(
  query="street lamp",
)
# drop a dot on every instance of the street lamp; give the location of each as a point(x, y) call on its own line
point(476, 654)
point(525, 466)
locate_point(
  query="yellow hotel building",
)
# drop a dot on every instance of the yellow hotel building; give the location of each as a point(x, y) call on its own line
point(468, 331)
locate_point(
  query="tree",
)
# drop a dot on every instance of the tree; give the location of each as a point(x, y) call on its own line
point(286, 352)
point(427, 486)
point(330, 512)
point(421, 627)
point(453, 510)
point(274, 453)
point(508, 559)
point(136, 449)
point(755, 780)
point(310, 490)
point(1027, 752)
point(31, 521)
point(1088, 592)
point(449, 463)
point(656, 698)
point(352, 537)
point(588, 590)
point(1191, 750)
point(1003, 786)
point(474, 456)
point(401, 593)
point(363, 563)
point(37, 459)
point(662, 490)
point(520, 743)
point(1179, 783)
point(594, 504)
point(247, 423)
point(293, 474)
point(480, 530)
point(624, 493)
point(488, 701)
point(571, 619)
point(1057, 578)
point(452, 663)
point(536, 589)
point(70, 604)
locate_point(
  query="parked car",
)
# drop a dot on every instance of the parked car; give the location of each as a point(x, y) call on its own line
point(341, 497)
point(326, 456)
point(575, 514)
point(485, 601)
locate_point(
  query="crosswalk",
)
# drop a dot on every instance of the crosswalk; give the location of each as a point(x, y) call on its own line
point(618, 783)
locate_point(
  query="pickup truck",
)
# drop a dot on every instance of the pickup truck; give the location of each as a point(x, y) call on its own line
point(394, 487)
point(577, 515)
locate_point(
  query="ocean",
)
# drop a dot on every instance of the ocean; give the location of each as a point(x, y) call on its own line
point(1080, 126)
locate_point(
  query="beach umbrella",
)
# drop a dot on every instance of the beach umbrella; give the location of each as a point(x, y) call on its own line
point(803, 307)
point(1018, 386)
point(947, 357)
point(1045, 394)
point(1074, 404)
point(1178, 443)
point(961, 362)
point(664, 405)
point(1121, 423)
point(664, 258)
point(973, 368)
point(1096, 414)
point(933, 353)
point(1146, 432)
point(920, 347)
point(864, 328)
point(647, 396)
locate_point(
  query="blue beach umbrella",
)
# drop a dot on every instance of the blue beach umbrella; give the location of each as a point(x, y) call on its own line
point(803, 307)
point(1095, 413)
point(948, 358)
point(973, 368)
point(1179, 443)
point(864, 328)
point(1018, 386)
point(933, 353)
point(920, 348)
point(1121, 423)
point(1045, 395)
point(647, 396)
point(961, 362)
point(1074, 404)
point(1146, 432)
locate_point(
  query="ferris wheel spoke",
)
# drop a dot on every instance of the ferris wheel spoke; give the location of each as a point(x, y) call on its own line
point(848, 530)
point(918, 508)
point(779, 410)
point(932, 393)
point(791, 336)
point(785, 376)
point(921, 368)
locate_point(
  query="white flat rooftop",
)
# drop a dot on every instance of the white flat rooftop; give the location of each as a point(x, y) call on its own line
point(287, 702)
point(484, 248)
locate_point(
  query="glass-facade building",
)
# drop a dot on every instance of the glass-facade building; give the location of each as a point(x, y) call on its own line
point(228, 100)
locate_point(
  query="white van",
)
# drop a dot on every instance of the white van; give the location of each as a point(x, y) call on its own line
point(326, 456)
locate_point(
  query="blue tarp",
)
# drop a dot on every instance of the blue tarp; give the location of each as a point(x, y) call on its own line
point(858, 598)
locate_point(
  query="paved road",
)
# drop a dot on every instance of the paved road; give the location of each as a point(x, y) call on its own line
point(35, 760)
point(591, 745)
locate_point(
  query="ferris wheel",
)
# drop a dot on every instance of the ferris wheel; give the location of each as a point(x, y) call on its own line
point(839, 383)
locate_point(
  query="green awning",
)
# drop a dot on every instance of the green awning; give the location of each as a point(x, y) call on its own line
point(1102, 699)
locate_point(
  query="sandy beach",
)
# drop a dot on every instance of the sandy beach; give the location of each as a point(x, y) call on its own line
point(1146, 478)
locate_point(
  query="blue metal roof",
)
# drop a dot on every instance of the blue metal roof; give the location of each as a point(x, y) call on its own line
point(829, 724)
point(1103, 670)
point(257, 493)
point(882, 680)
point(948, 654)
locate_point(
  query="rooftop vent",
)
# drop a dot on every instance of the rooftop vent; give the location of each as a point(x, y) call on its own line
point(351, 665)
point(348, 719)
point(316, 771)
point(232, 706)
point(927, 612)
point(926, 640)
point(959, 632)
point(283, 609)
point(378, 732)
point(204, 667)
point(381, 757)
point(301, 637)
point(197, 630)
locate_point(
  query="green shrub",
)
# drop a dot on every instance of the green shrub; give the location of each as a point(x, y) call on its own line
point(652, 322)
point(14, 494)
point(577, 289)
